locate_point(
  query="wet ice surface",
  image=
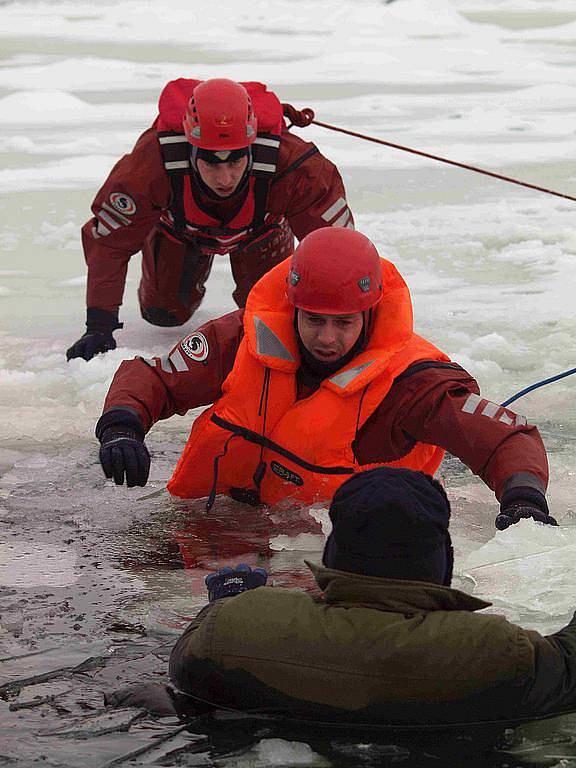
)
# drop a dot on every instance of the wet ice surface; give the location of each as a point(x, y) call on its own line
point(94, 587)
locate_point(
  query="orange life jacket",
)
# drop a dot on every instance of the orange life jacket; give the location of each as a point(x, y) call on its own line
point(186, 218)
point(257, 438)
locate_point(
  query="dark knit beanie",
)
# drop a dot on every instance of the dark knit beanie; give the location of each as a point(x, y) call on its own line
point(391, 523)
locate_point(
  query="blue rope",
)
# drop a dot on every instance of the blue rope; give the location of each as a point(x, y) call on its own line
point(538, 384)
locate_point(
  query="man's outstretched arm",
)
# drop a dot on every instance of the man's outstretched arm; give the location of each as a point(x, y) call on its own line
point(145, 391)
point(496, 443)
point(441, 404)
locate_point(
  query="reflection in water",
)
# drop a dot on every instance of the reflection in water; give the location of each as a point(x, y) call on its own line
point(184, 536)
point(234, 740)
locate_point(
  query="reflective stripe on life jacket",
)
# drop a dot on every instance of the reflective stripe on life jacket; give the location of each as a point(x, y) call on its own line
point(259, 438)
point(186, 218)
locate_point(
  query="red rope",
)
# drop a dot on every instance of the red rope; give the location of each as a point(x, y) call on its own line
point(444, 160)
point(304, 117)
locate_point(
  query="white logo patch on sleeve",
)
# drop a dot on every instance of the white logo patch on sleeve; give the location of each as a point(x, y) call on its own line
point(195, 346)
point(122, 203)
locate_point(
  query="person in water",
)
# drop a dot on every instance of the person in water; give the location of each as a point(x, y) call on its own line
point(320, 377)
point(389, 641)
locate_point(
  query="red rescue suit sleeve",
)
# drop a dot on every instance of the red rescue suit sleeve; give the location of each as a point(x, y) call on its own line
point(308, 189)
point(126, 209)
point(163, 386)
point(434, 406)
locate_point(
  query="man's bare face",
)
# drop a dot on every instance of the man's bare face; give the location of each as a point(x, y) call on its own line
point(329, 337)
point(222, 178)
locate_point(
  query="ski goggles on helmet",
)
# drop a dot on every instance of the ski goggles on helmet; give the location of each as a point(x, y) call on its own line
point(217, 156)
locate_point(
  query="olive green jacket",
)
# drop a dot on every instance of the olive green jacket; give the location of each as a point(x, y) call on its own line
point(373, 650)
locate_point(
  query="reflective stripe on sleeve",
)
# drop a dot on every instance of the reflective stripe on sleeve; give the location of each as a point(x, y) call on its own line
point(334, 209)
point(471, 404)
point(116, 213)
point(164, 363)
point(178, 361)
point(341, 221)
point(109, 220)
point(100, 230)
point(490, 410)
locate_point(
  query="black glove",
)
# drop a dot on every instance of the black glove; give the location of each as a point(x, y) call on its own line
point(231, 581)
point(90, 344)
point(98, 337)
point(123, 453)
point(520, 503)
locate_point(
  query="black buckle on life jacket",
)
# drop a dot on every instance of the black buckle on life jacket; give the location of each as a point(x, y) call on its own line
point(246, 496)
point(251, 496)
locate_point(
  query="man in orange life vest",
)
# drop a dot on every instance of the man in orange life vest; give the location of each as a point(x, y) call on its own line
point(218, 172)
point(320, 377)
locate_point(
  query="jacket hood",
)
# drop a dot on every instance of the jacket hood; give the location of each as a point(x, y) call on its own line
point(269, 327)
point(391, 594)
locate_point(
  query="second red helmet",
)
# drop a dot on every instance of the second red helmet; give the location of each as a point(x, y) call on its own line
point(220, 116)
point(335, 271)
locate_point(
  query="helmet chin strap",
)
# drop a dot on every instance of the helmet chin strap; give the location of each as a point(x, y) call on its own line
point(205, 189)
point(368, 325)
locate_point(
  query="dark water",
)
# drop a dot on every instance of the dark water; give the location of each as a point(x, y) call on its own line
point(100, 584)
point(97, 584)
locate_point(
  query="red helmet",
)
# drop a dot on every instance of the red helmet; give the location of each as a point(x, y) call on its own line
point(220, 116)
point(335, 271)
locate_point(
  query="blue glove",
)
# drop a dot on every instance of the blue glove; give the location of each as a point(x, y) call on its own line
point(231, 581)
point(521, 503)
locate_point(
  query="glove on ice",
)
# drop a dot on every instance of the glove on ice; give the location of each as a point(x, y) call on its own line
point(521, 503)
point(228, 582)
point(124, 455)
point(98, 336)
